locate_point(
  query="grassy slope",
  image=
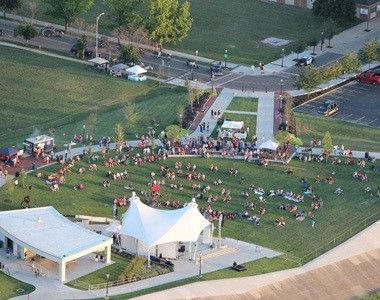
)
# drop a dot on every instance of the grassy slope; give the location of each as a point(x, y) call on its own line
point(298, 238)
point(243, 104)
point(351, 135)
point(237, 26)
point(9, 286)
point(43, 93)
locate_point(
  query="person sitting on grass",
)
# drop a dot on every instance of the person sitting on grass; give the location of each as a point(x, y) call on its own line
point(80, 186)
point(338, 191)
point(106, 183)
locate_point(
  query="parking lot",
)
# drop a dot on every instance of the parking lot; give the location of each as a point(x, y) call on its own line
point(358, 103)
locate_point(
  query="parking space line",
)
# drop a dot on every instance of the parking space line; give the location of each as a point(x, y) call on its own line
point(346, 116)
point(372, 121)
point(357, 121)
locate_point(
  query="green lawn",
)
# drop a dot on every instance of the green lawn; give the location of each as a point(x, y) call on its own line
point(9, 287)
point(41, 94)
point(297, 238)
point(237, 26)
point(120, 263)
point(243, 104)
point(260, 266)
point(249, 121)
point(352, 136)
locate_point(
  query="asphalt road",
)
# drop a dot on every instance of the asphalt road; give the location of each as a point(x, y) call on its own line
point(177, 68)
point(358, 103)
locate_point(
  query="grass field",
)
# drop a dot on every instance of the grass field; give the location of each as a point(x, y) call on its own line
point(120, 263)
point(237, 26)
point(352, 136)
point(39, 93)
point(9, 287)
point(243, 104)
point(297, 238)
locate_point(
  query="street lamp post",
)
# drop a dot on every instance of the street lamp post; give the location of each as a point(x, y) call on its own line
point(282, 57)
point(212, 82)
point(322, 40)
point(196, 58)
point(108, 277)
point(282, 85)
point(96, 35)
point(368, 19)
point(225, 58)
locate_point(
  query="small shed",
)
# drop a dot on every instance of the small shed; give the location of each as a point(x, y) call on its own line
point(7, 153)
point(38, 145)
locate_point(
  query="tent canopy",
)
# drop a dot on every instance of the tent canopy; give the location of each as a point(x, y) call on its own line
point(154, 226)
point(236, 125)
point(119, 67)
point(136, 70)
point(9, 151)
point(269, 144)
point(98, 61)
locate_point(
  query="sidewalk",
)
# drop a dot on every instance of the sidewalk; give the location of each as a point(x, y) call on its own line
point(355, 154)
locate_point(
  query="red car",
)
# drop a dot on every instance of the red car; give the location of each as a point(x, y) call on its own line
point(370, 77)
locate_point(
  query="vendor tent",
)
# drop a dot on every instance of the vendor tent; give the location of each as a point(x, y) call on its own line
point(99, 61)
point(136, 70)
point(236, 125)
point(269, 144)
point(119, 68)
point(7, 152)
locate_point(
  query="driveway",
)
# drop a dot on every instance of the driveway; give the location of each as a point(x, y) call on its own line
point(358, 103)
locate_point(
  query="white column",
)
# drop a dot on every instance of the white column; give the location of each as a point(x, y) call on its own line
point(148, 257)
point(62, 271)
point(108, 254)
point(190, 250)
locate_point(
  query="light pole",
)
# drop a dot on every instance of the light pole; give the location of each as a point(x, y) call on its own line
point(200, 265)
point(96, 35)
point(108, 277)
point(282, 57)
point(282, 85)
point(196, 58)
point(212, 82)
point(368, 19)
point(322, 40)
point(225, 58)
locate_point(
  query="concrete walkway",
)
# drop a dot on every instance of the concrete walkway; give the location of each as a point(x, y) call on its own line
point(355, 154)
point(265, 118)
point(239, 112)
point(365, 246)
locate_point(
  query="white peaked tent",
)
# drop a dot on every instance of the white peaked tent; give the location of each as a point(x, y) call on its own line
point(136, 70)
point(98, 61)
point(153, 227)
point(269, 144)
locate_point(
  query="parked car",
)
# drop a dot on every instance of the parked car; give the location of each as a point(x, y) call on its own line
point(328, 108)
point(372, 76)
point(192, 63)
point(216, 69)
point(50, 31)
point(87, 53)
point(305, 61)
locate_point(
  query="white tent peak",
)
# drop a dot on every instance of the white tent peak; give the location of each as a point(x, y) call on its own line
point(136, 70)
point(98, 61)
point(269, 144)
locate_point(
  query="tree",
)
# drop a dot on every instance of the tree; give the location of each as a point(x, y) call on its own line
point(81, 46)
point(314, 43)
point(341, 11)
point(33, 8)
point(321, 8)
point(27, 31)
point(327, 143)
point(370, 52)
point(119, 137)
point(175, 132)
point(168, 21)
point(129, 54)
point(350, 63)
point(90, 123)
point(299, 48)
point(9, 5)
point(330, 31)
point(131, 115)
point(125, 12)
point(309, 78)
point(68, 10)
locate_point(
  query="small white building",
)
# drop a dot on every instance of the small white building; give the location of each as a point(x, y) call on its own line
point(45, 232)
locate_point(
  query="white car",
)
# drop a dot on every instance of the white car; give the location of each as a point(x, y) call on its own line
point(305, 61)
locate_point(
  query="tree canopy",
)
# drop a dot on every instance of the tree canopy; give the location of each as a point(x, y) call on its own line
point(9, 5)
point(27, 31)
point(168, 21)
point(68, 10)
point(175, 132)
point(342, 11)
point(125, 12)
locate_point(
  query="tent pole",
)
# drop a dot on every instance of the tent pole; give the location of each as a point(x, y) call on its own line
point(189, 250)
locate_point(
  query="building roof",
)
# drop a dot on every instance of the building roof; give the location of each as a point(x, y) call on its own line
point(156, 226)
point(47, 232)
point(39, 139)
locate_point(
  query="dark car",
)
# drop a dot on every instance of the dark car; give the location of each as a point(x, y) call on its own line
point(216, 69)
point(87, 53)
point(50, 31)
point(328, 108)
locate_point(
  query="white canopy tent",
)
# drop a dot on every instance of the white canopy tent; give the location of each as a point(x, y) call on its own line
point(236, 125)
point(136, 70)
point(269, 144)
point(155, 227)
point(46, 232)
point(98, 61)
